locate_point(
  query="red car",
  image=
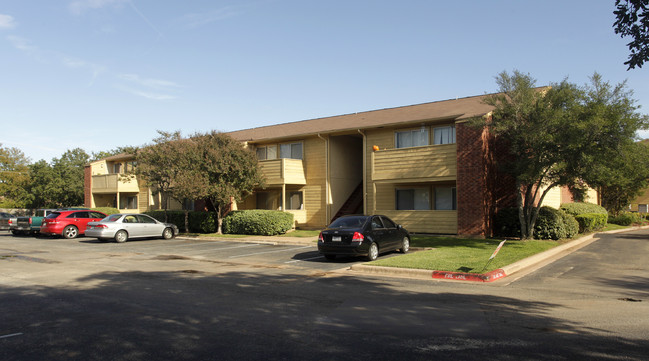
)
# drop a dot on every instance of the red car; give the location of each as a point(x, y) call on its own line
point(69, 224)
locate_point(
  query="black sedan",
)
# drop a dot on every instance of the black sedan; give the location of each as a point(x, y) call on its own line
point(362, 236)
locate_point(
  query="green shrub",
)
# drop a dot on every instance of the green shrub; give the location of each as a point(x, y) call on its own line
point(589, 222)
point(199, 221)
point(582, 208)
point(550, 224)
point(107, 210)
point(258, 221)
point(571, 224)
point(626, 219)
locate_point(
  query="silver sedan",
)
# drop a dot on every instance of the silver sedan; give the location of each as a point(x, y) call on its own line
point(121, 227)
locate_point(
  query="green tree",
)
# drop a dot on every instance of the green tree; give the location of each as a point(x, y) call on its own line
point(632, 19)
point(157, 165)
point(14, 178)
point(624, 178)
point(230, 171)
point(558, 135)
point(60, 184)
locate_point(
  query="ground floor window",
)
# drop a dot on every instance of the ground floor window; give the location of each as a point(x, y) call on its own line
point(445, 198)
point(643, 208)
point(294, 200)
point(412, 198)
point(127, 202)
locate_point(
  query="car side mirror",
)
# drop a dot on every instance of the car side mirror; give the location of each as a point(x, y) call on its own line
point(399, 226)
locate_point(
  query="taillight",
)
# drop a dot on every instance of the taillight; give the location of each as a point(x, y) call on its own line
point(320, 238)
point(357, 237)
point(30, 220)
point(101, 226)
point(11, 221)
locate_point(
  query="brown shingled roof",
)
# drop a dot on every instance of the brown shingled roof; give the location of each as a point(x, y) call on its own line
point(456, 109)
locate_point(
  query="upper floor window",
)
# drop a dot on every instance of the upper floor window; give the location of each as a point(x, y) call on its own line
point(267, 152)
point(117, 168)
point(411, 138)
point(444, 135)
point(290, 150)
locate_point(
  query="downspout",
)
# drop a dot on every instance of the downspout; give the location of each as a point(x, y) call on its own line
point(327, 180)
point(364, 171)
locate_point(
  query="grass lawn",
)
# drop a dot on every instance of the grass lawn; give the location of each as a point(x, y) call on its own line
point(464, 254)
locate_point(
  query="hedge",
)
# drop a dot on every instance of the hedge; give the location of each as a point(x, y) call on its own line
point(626, 219)
point(582, 208)
point(589, 222)
point(199, 221)
point(258, 222)
point(551, 223)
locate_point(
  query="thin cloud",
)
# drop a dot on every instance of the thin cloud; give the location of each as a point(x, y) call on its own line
point(80, 6)
point(151, 83)
point(7, 22)
point(21, 43)
point(145, 94)
point(195, 20)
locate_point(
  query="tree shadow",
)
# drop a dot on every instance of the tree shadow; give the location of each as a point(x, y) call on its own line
point(189, 314)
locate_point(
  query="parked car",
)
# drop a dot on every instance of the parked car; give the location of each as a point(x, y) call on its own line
point(6, 220)
point(122, 227)
point(69, 223)
point(362, 236)
point(30, 224)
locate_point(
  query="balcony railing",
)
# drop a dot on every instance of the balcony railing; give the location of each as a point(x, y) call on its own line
point(283, 171)
point(427, 163)
point(113, 183)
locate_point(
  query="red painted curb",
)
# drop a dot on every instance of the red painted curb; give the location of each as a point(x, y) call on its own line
point(473, 277)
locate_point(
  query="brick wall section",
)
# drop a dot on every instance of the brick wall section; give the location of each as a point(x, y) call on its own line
point(481, 188)
point(566, 195)
point(471, 181)
point(87, 186)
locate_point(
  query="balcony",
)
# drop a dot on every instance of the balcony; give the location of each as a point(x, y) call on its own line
point(283, 171)
point(113, 183)
point(416, 164)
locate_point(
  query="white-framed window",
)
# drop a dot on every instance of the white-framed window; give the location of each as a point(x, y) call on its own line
point(445, 198)
point(294, 200)
point(267, 152)
point(411, 138)
point(290, 150)
point(412, 198)
point(444, 135)
point(643, 208)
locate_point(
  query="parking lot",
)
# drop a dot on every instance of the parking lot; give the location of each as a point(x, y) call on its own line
point(204, 255)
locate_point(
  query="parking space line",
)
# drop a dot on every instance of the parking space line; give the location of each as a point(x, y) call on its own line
point(12, 335)
point(275, 251)
point(304, 259)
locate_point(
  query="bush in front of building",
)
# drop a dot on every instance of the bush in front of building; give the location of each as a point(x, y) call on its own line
point(551, 223)
point(258, 222)
point(107, 210)
point(590, 222)
point(199, 222)
point(626, 219)
point(583, 208)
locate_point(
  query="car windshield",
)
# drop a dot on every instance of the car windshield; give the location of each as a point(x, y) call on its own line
point(348, 222)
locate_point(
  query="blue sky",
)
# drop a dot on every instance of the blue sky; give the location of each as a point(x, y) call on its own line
point(99, 74)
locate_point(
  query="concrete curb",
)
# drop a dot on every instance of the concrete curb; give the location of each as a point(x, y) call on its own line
point(549, 255)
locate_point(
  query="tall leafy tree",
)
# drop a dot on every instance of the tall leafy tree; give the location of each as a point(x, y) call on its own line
point(157, 165)
point(558, 135)
point(624, 177)
point(230, 171)
point(59, 184)
point(14, 178)
point(632, 20)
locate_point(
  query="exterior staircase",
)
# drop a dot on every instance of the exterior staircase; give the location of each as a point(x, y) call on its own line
point(353, 205)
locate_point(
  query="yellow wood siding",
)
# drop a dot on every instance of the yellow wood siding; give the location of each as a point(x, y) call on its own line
point(553, 198)
point(433, 162)
point(444, 222)
point(315, 202)
point(283, 171)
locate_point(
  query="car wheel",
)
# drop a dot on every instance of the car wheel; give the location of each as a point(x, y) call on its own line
point(121, 236)
point(405, 245)
point(373, 253)
point(70, 232)
point(330, 257)
point(168, 233)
